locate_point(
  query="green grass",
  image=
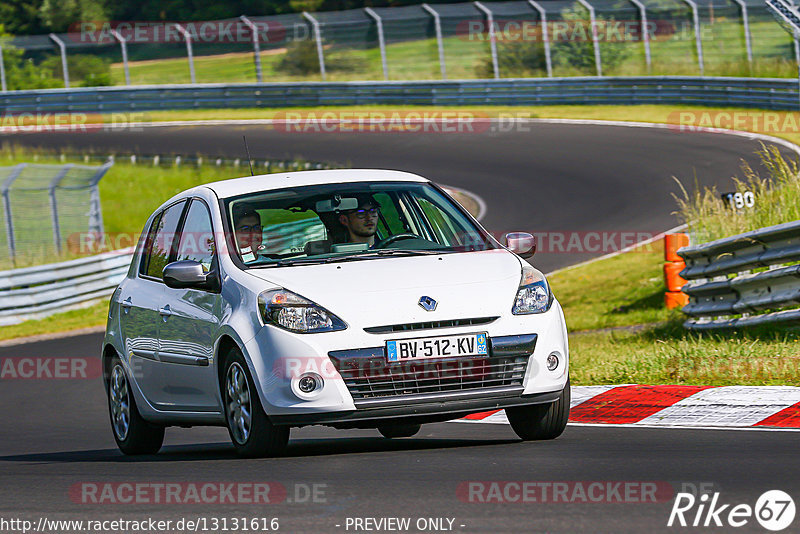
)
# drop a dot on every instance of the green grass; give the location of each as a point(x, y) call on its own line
point(723, 46)
point(629, 290)
point(93, 315)
point(777, 200)
point(128, 193)
point(593, 296)
point(670, 355)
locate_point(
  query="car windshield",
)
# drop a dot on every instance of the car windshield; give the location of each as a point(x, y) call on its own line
point(342, 222)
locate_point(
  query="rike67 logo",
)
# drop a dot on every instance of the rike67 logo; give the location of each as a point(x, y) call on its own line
point(774, 510)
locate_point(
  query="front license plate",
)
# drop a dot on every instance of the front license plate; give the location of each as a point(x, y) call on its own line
point(403, 350)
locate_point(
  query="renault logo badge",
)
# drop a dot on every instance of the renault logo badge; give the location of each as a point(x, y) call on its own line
point(427, 303)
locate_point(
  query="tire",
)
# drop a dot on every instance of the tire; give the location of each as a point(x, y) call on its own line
point(132, 433)
point(255, 437)
point(541, 421)
point(399, 431)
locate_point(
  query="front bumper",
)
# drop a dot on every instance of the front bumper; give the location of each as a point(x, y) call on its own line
point(277, 358)
point(420, 410)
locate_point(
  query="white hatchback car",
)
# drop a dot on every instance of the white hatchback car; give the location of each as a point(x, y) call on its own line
point(349, 298)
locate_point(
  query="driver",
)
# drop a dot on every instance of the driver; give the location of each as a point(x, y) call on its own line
point(362, 222)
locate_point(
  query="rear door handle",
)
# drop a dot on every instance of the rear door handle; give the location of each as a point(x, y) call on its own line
point(126, 305)
point(165, 312)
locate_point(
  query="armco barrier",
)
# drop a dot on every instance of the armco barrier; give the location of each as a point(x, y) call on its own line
point(719, 300)
point(767, 93)
point(39, 291)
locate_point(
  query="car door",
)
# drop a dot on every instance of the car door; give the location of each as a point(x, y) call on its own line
point(140, 299)
point(191, 320)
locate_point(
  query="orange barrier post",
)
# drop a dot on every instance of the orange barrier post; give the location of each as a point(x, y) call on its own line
point(673, 266)
point(672, 242)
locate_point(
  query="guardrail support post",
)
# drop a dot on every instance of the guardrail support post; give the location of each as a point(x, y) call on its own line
point(63, 48)
point(123, 45)
point(51, 191)
point(595, 41)
point(437, 24)
point(4, 190)
point(3, 86)
point(256, 47)
point(188, 38)
point(381, 41)
point(492, 37)
point(746, 28)
point(697, 38)
point(645, 32)
point(545, 36)
point(318, 39)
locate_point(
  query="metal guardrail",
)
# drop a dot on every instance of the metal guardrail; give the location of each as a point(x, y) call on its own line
point(35, 292)
point(743, 280)
point(767, 93)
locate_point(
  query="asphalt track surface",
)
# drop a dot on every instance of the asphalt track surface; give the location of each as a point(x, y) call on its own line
point(54, 434)
point(537, 177)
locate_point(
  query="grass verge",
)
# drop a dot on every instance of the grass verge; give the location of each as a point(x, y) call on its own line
point(628, 290)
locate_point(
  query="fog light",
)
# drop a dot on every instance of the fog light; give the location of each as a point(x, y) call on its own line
point(552, 362)
point(307, 383)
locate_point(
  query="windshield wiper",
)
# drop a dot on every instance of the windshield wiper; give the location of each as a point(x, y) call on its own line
point(380, 253)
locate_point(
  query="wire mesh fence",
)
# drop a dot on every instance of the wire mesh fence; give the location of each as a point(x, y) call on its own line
point(468, 40)
point(44, 207)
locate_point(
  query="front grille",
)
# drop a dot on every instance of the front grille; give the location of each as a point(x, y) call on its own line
point(368, 375)
point(429, 325)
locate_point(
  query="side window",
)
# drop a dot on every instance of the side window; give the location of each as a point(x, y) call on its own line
point(197, 236)
point(159, 244)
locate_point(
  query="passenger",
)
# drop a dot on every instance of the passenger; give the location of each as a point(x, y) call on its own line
point(249, 232)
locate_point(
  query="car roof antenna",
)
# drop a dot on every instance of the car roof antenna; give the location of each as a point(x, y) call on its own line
point(250, 161)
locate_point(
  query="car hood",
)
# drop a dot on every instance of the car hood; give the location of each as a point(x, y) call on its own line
point(386, 291)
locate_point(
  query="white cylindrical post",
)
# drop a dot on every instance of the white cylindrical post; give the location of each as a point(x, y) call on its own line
point(697, 38)
point(746, 28)
point(124, 48)
point(598, 64)
point(63, 48)
point(437, 24)
point(645, 32)
point(545, 36)
point(3, 86)
point(188, 38)
point(381, 41)
point(256, 47)
point(318, 39)
point(492, 37)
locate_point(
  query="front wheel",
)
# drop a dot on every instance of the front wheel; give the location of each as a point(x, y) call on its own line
point(541, 421)
point(252, 433)
point(132, 433)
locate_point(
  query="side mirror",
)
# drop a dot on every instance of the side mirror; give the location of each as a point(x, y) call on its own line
point(189, 274)
point(522, 244)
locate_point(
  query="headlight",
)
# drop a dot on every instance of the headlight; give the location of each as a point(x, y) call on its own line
point(292, 312)
point(534, 294)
